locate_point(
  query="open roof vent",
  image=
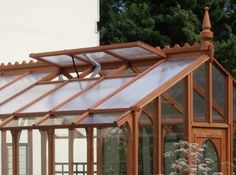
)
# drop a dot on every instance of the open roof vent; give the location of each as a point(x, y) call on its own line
point(94, 63)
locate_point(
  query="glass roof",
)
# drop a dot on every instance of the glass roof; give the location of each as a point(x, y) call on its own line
point(101, 100)
point(26, 97)
point(95, 94)
point(152, 80)
point(58, 96)
point(5, 79)
point(19, 85)
point(104, 118)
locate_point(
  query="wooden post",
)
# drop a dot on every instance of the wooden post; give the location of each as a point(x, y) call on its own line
point(99, 152)
point(4, 152)
point(71, 151)
point(188, 113)
point(133, 144)
point(51, 151)
point(30, 152)
point(230, 118)
point(15, 151)
point(157, 137)
point(209, 92)
point(43, 152)
point(90, 159)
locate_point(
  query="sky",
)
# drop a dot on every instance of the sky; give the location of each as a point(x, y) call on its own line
point(29, 26)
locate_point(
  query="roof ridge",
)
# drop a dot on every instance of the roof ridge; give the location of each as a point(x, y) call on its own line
point(186, 47)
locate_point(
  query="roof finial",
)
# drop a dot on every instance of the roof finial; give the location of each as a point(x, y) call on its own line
point(206, 34)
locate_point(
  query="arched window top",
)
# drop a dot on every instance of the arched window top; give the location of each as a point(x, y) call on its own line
point(210, 151)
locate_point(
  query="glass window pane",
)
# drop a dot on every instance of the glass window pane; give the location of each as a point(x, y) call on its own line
point(133, 52)
point(26, 97)
point(146, 144)
point(62, 60)
point(58, 96)
point(96, 93)
point(61, 157)
point(37, 151)
point(199, 107)
point(171, 134)
point(101, 118)
point(210, 152)
point(60, 120)
point(199, 93)
point(9, 151)
point(99, 57)
point(24, 159)
point(112, 143)
point(170, 112)
point(20, 85)
point(234, 96)
point(149, 82)
point(5, 79)
point(219, 93)
point(176, 94)
point(23, 121)
point(80, 155)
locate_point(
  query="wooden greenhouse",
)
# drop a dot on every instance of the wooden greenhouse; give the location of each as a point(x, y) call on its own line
point(115, 109)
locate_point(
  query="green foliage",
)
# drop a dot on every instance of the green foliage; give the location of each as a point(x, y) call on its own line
point(226, 52)
point(162, 22)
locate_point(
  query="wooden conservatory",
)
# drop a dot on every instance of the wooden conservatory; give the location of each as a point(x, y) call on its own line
point(115, 109)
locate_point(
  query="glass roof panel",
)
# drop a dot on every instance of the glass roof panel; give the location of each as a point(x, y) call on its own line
point(99, 56)
point(93, 95)
point(60, 120)
point(62, 60)
point(147, 83)
point(133, 53)
point(56, 97)
point(23, 121)
point(20, 85)
point(26, 97)
point(127, 51)
point(101, 118)
point(5, 79)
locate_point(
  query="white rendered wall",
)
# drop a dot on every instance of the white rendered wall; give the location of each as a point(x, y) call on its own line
point(42, 25)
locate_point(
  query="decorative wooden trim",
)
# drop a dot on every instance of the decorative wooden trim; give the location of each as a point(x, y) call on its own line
point(178, 49)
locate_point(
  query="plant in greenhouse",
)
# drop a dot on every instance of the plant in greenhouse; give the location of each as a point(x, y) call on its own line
point(188, 158)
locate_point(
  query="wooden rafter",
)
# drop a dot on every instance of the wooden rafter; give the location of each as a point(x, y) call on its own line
point(173, 102)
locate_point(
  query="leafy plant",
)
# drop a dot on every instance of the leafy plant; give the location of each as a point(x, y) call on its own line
point(190, 159)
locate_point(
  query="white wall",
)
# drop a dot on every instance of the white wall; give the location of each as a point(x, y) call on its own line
point(42, 25)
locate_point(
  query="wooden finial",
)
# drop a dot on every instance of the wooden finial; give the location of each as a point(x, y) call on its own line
point(206, 34)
